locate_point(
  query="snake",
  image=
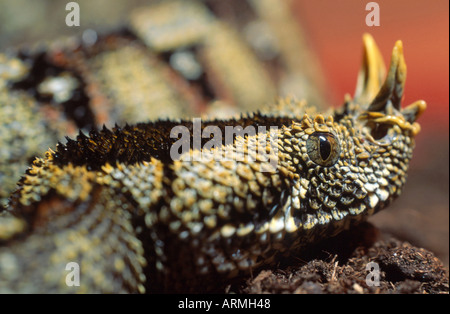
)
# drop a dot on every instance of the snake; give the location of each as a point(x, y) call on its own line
point(134, 219)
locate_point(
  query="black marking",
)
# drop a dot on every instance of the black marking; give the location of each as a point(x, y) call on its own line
point(76, 108)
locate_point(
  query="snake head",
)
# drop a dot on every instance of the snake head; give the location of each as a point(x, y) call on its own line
point(381, 132)
point(354, 162)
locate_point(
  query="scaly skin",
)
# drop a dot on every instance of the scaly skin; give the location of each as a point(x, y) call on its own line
point(137, 221)
point(171, 59)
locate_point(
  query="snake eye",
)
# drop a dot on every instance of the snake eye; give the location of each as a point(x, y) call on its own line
point(323, 148)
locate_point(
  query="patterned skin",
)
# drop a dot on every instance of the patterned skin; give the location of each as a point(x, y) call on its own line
point(170, 59)
point(135, 220)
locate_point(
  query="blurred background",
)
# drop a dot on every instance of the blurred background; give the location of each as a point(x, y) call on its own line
point(333, 30)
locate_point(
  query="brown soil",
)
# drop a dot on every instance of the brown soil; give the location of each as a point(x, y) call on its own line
point(338, 265)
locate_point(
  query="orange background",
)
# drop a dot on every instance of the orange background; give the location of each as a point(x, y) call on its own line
point(335, 28)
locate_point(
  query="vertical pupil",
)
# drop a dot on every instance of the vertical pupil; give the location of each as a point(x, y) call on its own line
point(325, 147)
